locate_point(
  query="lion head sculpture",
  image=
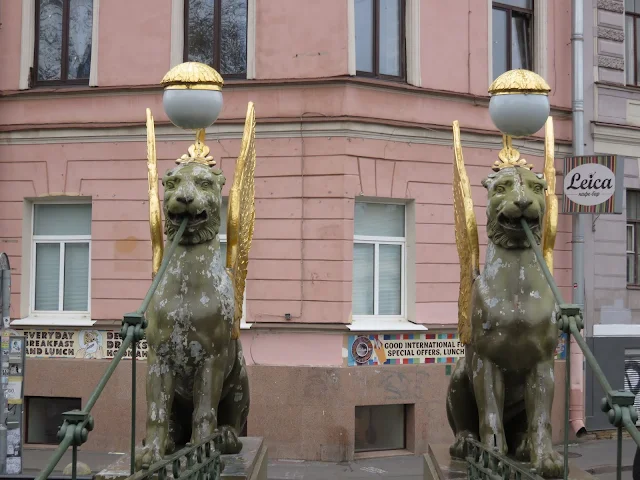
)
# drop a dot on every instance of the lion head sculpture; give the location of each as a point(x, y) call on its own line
point(194, 191)
point(514, 193)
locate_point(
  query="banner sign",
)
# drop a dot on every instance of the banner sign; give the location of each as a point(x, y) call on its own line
point(13, 360)
point(409, 349)
point(593, 184)
point(87, 344)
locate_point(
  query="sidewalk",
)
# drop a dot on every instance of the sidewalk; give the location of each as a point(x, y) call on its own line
point(598, 457)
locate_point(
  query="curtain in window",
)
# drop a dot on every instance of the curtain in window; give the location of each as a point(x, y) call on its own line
point(390, 284)
point(47, 276)
point(58, 219)
point(363, 271)
point(379, 220)
point(76, 277)
point(521, 47)
point(389, 60)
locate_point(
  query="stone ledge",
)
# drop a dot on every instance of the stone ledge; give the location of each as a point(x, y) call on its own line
point(611, 5)
point(611, 34)
point(614, 63)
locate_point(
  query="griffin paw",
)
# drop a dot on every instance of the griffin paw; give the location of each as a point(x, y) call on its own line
point(550, 465)
point(523, 452)
point(459, 447)
point(146, 456)
point(229, 443)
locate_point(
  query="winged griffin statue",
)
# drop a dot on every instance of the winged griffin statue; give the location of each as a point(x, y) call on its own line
point(197, 381)
point(501, 391)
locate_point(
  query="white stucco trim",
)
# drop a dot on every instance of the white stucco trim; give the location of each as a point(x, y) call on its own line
point(63, 321)
point(27, 42)
point(616, 330)
point(616, 140)
point(346, 128)
point(378, 324)
point(251, 39)
point(351, 36)
point(540, 43)
point(93, 72)
point(414, 75)
point(540, 48)
point(177, 33)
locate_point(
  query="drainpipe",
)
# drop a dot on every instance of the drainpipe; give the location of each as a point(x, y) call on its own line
point(576, 399)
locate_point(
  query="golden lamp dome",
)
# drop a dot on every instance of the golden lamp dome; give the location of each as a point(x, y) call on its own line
point(519, 81)
point(192, 75)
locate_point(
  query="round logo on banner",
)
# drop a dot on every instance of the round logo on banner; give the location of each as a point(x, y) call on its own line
point(361, 349)
point(589, 184)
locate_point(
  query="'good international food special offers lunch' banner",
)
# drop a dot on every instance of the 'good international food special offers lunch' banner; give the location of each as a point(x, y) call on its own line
point(88, 344)
point(411, 349)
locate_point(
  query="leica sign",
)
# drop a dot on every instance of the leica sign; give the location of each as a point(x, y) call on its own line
point(589, 184)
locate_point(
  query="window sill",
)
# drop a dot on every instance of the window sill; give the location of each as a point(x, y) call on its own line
point(369, 324)
point(245, 326)
point(67, 321)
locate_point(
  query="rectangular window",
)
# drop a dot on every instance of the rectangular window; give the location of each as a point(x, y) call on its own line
point(380, 38)
point(631, 40)
point(380, 427)
point(633, 231)
point(61, 258)
point(215, 33)
point(379, 260)
point(512, 36)
point(63, 42)
point(44, 417)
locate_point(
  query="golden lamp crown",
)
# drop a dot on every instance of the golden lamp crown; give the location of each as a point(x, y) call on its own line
point(516, 82)
point(192, 75)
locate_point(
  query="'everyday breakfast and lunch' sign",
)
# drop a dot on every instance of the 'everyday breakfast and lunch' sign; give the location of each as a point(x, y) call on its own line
point(593, 184)
point(88, 344)
point(407, 348)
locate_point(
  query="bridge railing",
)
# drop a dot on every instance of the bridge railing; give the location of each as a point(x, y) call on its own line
point(78, 423)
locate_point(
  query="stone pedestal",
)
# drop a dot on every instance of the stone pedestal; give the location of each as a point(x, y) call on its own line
point(249, 464)
point(438, 465)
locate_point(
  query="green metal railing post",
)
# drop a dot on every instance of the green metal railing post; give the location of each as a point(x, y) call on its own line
point(77, 424)
point(567, 389)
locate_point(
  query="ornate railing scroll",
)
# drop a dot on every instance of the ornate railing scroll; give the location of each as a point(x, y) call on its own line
point(487, 464)
point(78, 423)
point(618, 404)
point(199, 461)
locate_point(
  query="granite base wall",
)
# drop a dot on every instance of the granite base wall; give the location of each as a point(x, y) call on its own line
point(302, 412)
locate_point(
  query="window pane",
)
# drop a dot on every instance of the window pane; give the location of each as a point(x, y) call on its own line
point(380, 427)
point(389, 280)
point(630, 238)
point(631, 277)
point(364, 35)
point(521, 48)
point(233, 50)
point(632, 204)
point(80, 28)
point(379, 219)
point(223, 252)
point(390, 46)
point(47, 276)
point(200, 31)
point(528, 4)
point(499, 50)
point(76, 277)
point(223, 216)
point(630, 50)
point(363, 260)
point(636, 62)
point(50, 40)
point(629, 5)
point(56, 219)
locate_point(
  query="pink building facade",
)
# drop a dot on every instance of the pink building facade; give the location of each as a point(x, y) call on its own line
point(354, 256)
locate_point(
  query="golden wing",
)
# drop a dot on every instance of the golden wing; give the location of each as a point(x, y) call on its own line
point(550, 225)
point(241, 215)
point(466, 237)
point(155, 217)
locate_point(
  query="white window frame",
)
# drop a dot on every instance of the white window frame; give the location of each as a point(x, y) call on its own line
point(385, 322)
point(177, 36)
point(540, 44)
point(633, 251)
point(28, 37)
point(412, 40)
point(56, 317)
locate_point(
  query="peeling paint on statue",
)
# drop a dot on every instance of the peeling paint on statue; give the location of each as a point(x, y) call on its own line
point(192, 358)
point(513, 335)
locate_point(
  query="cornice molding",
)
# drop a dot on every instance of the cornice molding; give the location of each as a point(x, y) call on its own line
point(287, 129)
point(623, 135)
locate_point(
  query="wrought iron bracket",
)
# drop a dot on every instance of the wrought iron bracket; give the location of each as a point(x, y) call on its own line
point(615, 404)
point(567, 313)
point(135, 320)
point(77, 424)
